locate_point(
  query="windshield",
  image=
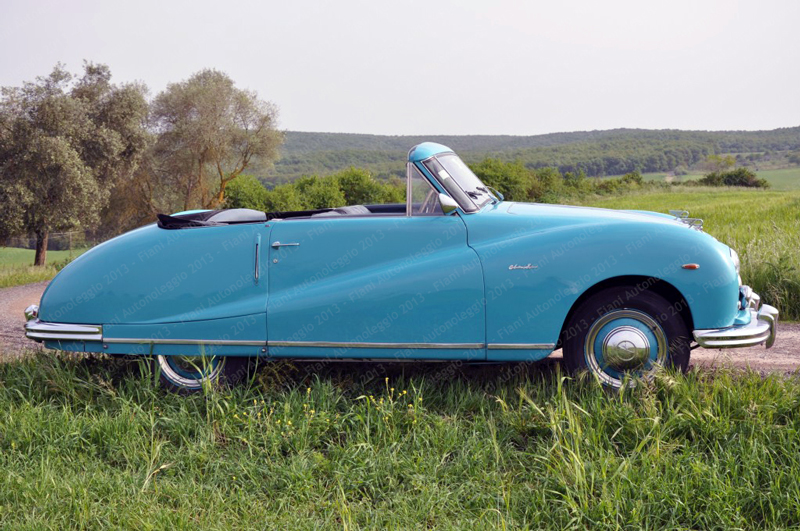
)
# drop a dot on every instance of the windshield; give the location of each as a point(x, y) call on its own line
point(448, 168)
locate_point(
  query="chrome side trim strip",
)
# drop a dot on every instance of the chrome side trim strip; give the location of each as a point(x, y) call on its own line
point(521, 346)
point(146, 341)
point(43, 331)
point(334, 344)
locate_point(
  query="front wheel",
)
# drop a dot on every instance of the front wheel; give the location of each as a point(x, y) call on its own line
point(623, 332)
point(191, 373)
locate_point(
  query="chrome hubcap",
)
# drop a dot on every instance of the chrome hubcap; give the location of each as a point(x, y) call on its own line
point(626, 348)
point(625, 342)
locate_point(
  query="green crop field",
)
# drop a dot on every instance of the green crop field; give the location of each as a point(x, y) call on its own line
point(783, 179)
point(16, 256)
point(16, 268)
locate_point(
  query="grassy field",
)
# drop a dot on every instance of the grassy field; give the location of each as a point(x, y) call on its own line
point(762, 226)
point(16, 268)
point(783, 179)
point(786, 179)
point(91, 444)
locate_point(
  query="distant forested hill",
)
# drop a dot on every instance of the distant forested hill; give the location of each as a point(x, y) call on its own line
point(596, 153)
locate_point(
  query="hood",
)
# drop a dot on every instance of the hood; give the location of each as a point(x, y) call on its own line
point(558, 214)
point(507, 216)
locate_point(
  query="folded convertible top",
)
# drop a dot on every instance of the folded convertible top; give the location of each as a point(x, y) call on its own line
point(210, 218)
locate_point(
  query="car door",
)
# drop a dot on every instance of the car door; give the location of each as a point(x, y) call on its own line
point(375, 286)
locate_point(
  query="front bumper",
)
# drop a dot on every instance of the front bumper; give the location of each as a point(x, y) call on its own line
point(762, 328)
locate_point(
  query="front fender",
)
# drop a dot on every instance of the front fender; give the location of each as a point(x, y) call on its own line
point(535, 271)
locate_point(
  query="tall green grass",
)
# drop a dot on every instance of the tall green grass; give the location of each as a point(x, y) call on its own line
point(92, 444)
point(762, 226)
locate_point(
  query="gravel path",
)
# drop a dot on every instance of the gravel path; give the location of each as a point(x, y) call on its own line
point(784, 356)
point(13, 302)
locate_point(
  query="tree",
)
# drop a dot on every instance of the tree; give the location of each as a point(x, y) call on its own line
point(63, 145)
point(512, 179)
point(245, 191)
point(359, 187)
point(284, 198)
point(738, 177)
point(209, 132)
point(322, 193)
point(719, 164)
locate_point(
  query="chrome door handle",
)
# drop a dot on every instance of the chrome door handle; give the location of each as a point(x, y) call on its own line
point(275, 245)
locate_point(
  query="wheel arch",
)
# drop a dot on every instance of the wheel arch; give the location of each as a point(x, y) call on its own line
point(654, 284)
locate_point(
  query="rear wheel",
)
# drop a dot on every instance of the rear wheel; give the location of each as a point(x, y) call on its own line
point(624, 332)
point(190, 373)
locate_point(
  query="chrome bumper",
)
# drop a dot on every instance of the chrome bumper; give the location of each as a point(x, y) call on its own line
point(762, 328)
point(42, 331)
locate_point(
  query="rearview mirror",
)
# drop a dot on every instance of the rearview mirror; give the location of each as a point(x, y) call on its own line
point(447, 203)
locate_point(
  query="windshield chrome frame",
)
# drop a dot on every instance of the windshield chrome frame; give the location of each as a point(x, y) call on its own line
point(475, 207)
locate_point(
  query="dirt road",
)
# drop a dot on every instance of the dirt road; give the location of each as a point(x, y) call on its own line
point(783, 357)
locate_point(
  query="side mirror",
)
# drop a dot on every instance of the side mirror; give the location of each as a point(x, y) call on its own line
point(447, 203)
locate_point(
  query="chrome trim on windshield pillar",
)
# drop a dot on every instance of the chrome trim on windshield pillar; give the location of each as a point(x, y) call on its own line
point(409, 204)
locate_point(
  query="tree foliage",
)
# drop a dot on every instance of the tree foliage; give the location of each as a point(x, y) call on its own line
point(595, 153)
point(209, 132)
point(245, 191)
point(349, 187)
point(736, 177)
point(64, 144)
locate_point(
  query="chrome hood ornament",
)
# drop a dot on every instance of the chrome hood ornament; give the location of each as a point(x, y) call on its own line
point(683, 217)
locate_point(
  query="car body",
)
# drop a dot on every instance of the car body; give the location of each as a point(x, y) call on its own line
point(454, 274)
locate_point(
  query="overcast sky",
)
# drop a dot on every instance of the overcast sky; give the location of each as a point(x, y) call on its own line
point(442, 67)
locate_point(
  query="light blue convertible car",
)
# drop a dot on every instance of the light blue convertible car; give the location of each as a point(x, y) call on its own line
point(455, 273)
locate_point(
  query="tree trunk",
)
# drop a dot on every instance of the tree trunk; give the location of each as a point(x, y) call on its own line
point(41, 247)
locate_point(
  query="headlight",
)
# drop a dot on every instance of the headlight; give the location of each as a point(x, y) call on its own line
point(735, 258)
